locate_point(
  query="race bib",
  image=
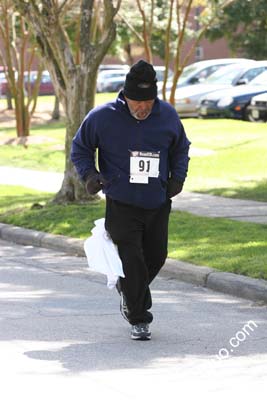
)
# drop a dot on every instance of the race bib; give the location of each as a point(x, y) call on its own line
point(143, 165)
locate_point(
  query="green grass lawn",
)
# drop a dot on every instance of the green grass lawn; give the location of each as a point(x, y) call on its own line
point(226, 245)
point(47, 149)
point(48, 155)
point(48, 101)
point(234, 163)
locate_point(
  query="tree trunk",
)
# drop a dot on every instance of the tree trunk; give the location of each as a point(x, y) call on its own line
point(22, 115)
point(76, 108)
point(74, 83)
point(128, 50)
point(9, 101)
point(56, 112)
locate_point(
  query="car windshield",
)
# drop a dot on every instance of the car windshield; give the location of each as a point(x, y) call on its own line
point(224, 75)
point(160, 74)
point(188, 71)
point(108, 75)
point(260, 79)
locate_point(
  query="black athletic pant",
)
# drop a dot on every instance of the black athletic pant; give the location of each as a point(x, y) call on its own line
point(142, 239)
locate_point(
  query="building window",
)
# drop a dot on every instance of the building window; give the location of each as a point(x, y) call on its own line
point(199, 53)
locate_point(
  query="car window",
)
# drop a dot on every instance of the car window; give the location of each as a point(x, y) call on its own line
point(188, 71)
point(204, 73)
point(214, 68)
point(46, 79)
point(118, 76)
point(261, 79)
point(224, 75)
point(252, 73)
point(160, 75)
point(106, 76)
point(114, 74)
point(29, 77)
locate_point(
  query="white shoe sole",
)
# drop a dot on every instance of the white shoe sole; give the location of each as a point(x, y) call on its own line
point(141, 337)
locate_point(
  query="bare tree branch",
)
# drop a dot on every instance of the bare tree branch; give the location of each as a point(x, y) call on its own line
point(178, 65)
point(117, 6)
point(138, 36)
point(148, 51)
point(167, 49)
point(86, 14)
point(151, 17)
point(63, 6)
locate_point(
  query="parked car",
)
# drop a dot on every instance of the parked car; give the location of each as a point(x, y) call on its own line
point(3, 85)
point(233, 103)
point(110, 80)
point(113, 80)
point(199, 71)
point(46, 86)
point(257, 110)
point(187, 98)
point(160, 71)
point(105, 67)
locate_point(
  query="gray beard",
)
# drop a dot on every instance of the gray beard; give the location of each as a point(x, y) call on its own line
point(139, 119)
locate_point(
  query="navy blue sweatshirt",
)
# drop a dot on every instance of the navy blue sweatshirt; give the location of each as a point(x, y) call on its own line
point(118, 136)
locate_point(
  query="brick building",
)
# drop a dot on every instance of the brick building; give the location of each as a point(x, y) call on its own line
point(205, 51)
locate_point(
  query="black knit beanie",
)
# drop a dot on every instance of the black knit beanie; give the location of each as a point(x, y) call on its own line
point(141, 82)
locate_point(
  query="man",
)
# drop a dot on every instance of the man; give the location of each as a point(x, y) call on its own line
point(143, 161)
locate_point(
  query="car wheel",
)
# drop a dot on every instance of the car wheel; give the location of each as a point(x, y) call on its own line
point(252, 119)
point(249, 117)
point(246, 115)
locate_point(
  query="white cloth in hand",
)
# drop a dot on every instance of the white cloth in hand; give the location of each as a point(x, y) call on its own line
point(102, 254)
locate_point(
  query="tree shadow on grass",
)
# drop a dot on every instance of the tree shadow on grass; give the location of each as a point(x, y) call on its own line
point(23, 199)
point(257, 190)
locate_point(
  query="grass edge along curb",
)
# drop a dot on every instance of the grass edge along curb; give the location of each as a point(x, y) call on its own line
point(226, 282)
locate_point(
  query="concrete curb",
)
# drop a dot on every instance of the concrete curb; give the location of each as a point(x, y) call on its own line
point(25, 236)
point(226, 282)
point(229, 283)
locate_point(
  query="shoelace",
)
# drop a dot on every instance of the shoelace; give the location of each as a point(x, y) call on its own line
point(142, 328)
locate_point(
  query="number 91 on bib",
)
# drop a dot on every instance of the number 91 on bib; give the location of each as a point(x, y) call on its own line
point(144, 165)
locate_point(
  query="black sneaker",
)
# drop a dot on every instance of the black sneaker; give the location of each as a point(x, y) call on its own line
point(140, 332)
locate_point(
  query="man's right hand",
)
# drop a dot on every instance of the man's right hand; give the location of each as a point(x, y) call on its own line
point(174, 187)
point(93, 183)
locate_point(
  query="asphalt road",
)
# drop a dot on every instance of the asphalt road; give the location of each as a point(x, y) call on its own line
point(62, 336)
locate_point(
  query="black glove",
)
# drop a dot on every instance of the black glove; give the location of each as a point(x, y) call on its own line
point(174, 187)
point(94, 182)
